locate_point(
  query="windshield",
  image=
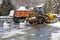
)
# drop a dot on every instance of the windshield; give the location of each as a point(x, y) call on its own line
point(38, 9)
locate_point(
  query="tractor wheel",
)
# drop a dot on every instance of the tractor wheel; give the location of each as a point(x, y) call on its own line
point(30, 22)
point(41, 20)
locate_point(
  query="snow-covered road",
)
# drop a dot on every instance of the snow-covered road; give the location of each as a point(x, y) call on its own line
point(57, 24)
point(55, 36)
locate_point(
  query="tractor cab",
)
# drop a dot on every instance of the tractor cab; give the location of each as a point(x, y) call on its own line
point(38, 10)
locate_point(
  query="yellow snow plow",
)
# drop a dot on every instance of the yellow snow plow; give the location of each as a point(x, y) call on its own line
point(38, 17)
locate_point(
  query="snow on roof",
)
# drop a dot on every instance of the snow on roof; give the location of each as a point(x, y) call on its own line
point(22, 8)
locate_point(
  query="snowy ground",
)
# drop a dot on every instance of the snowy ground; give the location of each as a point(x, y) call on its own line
point(57, 24)
point(44, 32)
point(14, 32)
point(55, 36)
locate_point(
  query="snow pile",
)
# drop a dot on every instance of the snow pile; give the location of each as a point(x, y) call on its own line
point(55, 36)
point(22, 25)
point(57, 24)
point(22, 8)
point(14, 32)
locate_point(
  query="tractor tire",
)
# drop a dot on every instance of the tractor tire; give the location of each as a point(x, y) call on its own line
point(40, 20)
point(30, 22)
